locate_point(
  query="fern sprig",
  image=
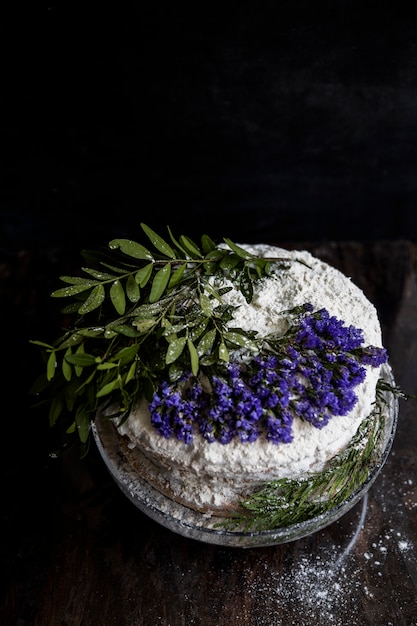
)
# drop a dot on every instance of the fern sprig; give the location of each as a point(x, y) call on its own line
point(288, 501)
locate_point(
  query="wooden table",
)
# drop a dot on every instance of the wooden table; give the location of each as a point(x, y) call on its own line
point(76, 552)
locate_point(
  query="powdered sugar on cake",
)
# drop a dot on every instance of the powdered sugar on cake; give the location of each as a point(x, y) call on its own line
point(213, 475)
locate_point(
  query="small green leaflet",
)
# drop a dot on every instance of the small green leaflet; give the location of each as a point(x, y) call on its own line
point(97, 274)
point(117, 296)
point(143, 275)
point(131, 373)
point(205, 304)
point(160, 282)
point(241, 340)
point(207, 244)
point(241, 252)
point(246, 287)
point(94, 300)
point(229, 261)
point(83, 423)
point(79, 280)
point(194, 357)
point(55, 409)
point(206, 342)
point(145, 324)
point(51, 366)
point(190, 247)
point(159, 243)
point(176, 276)
point(66, 367)
point(175, 348)
point(108, 388)
point(132, 289)
point(131, 248)
point(73, 290)
point(81, 359)
point(223, 352)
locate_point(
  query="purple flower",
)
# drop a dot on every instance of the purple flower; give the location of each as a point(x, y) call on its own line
point(311, 376)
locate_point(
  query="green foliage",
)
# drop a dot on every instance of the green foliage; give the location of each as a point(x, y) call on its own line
point(141, 312)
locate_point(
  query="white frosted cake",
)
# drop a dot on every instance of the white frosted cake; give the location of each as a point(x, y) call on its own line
point(211, 476)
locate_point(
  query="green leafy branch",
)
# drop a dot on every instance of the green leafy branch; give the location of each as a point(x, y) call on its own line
point(137, 312)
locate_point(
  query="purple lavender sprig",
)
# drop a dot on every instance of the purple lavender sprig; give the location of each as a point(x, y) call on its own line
point(310, 374)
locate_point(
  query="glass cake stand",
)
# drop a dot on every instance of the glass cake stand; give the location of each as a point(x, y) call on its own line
point(196, 525)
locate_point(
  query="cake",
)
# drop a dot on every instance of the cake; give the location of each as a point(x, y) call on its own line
point(213, 477)
point(226, 375)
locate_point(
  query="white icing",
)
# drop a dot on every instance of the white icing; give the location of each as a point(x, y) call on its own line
point(213, 474)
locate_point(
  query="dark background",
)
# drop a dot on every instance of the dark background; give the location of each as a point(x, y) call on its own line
point(292, 121)
point(289, 121)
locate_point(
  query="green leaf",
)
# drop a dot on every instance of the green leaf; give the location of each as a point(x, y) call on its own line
point(83, 423)
point(206, 342)
point(51, 366)
point(55, 409)
point(87, 380)
point(175, 348)
point(194, 357)
point(207, 244)
point(241, 340)
point(190, 247)
point(144, 324)
point(198, 329)
point(98, 274)
point(205, 304)
point(143, 275)
point(174, 372)
point(176, 276)
point(131, 373)
point(126, 330)
point(94, 300)
point(244, 254)
point(66, 367)
point(108, 388)
point(92, 331)
point(229, 261)
point(132, 289)
point(223, 352)
point(81, 359)
point(246, 287)
point(131, 248)
point(42, 344)
point(79, 368)
point(175, 242)
point(79, 280)
point(160, 282)
point(159, 243)
point(106, 366)
point(72, 290)
point(126, 354)
point(214, 257)
point(117, 296)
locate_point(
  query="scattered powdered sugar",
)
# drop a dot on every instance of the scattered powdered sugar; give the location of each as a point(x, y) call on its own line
point(314, 588)
point(404, 546)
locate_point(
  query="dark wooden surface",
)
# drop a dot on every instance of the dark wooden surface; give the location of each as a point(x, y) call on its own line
point(75, 552)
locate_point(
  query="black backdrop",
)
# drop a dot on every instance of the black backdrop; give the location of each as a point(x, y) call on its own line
point(288, 121)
